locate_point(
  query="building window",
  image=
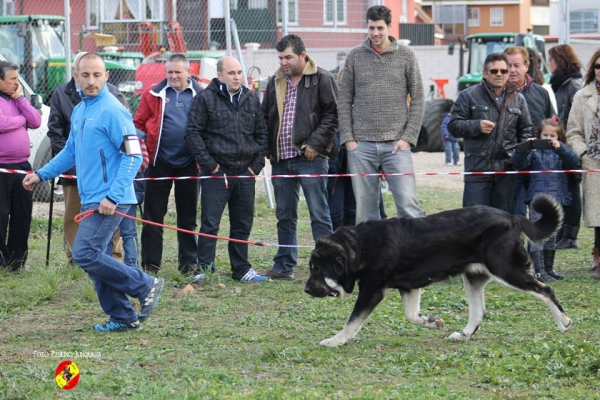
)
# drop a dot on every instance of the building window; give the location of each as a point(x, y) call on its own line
point(473, 16)
point(91, 18)
point(452, 18)
point(8, 8)
point(540, 3)
point(125, 11)
point(292, 12)
point(584, 21)
point(496, 16)
point(328, 11)
point(249, 4)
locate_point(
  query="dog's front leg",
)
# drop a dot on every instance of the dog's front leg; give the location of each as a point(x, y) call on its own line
point(365, 304)
point(412, 309)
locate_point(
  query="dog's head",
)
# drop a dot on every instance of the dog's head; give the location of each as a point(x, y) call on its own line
point(332, 265)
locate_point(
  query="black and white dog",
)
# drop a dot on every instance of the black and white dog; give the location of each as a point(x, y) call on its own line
point(481, 243)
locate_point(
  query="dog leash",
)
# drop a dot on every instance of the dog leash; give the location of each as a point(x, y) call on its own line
point(85, 214)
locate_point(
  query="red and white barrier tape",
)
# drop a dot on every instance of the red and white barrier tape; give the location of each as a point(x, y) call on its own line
point(225, 177)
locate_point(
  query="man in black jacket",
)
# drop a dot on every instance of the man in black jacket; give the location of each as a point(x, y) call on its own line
point(300, 106)
point(227, 135)
point(64, 99)
point(492, 117)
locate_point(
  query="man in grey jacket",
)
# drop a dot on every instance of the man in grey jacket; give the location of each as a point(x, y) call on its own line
point(378, 125)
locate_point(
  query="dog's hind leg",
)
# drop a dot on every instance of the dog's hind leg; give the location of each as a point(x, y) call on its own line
point(364, 306)
point(520, 280)
point(412, 309)
point(475, 289)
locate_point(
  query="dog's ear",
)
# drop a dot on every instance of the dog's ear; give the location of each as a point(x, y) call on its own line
point(339, 266)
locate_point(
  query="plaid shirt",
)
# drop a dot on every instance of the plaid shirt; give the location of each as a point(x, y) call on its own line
point(286, 150)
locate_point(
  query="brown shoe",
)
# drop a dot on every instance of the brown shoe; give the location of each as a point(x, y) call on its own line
point(271, 273)
point(596, 263)
point(150, 268)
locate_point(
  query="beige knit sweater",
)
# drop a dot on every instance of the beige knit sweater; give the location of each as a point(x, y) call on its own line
point(373, 95)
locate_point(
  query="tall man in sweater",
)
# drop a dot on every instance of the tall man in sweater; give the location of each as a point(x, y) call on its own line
point(377, 124)
point(301, 113)
point(16, 115)
point(162, 115)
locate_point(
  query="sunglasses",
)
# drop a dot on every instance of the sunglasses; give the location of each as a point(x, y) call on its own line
point(596, 66)
point(495, 71)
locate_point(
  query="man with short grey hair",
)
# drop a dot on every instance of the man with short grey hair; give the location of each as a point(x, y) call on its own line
point(377, 124)
point(16, 115)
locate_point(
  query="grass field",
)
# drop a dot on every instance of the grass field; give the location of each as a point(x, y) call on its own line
point(229, 340)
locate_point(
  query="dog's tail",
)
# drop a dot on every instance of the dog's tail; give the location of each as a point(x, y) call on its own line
point(548, 224)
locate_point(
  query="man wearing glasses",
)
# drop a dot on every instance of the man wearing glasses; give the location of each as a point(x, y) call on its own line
point(492, 117)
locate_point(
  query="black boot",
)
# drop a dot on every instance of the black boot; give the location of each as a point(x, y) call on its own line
point(537, 258)
point(569, 238)
point(549, 265)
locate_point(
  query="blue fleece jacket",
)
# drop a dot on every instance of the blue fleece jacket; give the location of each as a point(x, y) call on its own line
point(104, 170)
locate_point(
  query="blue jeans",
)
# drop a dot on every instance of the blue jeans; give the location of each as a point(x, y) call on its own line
point(239, 197)
point(113, 280)
point(451, 150)
point(497, 192)
point(127, 230)
point(370, 157)
point(287, 194)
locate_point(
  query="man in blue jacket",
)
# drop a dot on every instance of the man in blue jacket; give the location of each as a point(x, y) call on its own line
point(104, 147)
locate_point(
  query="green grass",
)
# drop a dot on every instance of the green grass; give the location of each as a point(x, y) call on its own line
point(260, 341)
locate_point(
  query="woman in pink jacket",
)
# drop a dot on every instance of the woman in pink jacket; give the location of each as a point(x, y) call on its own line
point(16, 115)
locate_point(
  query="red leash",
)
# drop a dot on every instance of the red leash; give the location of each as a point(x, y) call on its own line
point(81, 216)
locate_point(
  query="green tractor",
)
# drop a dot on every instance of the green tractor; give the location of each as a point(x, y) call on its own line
point(35, 42)
point(479, 46)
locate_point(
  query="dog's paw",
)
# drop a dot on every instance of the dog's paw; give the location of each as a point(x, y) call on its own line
point(566, 324)
point(458, 336)
point(433, 322)
point(332, 342)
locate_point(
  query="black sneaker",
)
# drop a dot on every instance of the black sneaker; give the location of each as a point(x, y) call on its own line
point(273, 274)
point(117, 327)
point(151, 300)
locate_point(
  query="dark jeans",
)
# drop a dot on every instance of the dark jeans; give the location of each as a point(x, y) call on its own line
point(16, 205)
point(238, 195)
point(498, 192)
point(287, 195)
point(572, 219)
point(113, 280)
point(342, 204)
point(155, 208)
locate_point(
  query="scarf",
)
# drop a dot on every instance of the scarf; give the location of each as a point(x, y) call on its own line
point(558, 79)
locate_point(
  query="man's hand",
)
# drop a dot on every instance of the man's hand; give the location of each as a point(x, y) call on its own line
point(486, 126)
point(401, 145)
point(106, 207)
point(309, 153)
point(30, 181)
point(251, 172)
point(351, 145)
point(216, 169)
point(18, 92)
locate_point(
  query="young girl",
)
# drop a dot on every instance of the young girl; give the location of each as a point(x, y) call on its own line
point(560, 157)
